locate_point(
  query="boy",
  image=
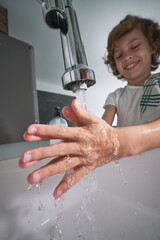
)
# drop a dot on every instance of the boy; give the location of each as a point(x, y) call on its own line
point(133, 51)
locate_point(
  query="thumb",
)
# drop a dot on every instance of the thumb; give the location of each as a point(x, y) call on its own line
point(69, 114)
point(82, 115)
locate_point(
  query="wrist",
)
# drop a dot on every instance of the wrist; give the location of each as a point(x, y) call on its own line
point(129, 142)
point(138, 139)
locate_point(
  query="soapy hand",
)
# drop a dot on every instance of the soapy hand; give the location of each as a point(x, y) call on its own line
point(91, 143)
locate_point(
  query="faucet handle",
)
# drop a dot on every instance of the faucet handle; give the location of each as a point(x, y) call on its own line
point(54, 14)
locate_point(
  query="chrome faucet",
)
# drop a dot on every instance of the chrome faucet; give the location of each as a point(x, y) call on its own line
point(59, 14)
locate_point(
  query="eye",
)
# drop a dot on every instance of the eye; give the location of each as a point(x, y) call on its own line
point(135, 46)
point(118, 56)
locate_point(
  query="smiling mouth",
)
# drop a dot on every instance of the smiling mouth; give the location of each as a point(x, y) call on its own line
point(131, 66)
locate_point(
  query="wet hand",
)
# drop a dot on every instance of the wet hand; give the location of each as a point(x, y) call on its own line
point(90, 144)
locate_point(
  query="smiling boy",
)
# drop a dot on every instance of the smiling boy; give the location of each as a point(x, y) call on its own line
point(133, 51)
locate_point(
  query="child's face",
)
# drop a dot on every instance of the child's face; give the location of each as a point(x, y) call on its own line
point(132, 56)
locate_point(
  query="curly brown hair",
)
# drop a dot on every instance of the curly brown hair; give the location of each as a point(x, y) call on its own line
point(149, 28)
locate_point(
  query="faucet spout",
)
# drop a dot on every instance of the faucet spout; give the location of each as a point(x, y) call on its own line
point(59, 14)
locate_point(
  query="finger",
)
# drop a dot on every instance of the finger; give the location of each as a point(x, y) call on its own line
point(46, 132)
point(29, 137)
point(55, 150)
point(28, 164)
point(69, 114)
point(58, 165)
point(69, 180)
point(84, 116)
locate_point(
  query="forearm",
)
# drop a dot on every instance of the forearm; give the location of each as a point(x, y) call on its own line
point(137, 139)
point(109, 114)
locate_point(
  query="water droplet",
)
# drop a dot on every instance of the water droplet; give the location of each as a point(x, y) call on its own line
point(29, 187)
point(38, 186)
point(40, 206)
point(45, 222)
point(116, 163)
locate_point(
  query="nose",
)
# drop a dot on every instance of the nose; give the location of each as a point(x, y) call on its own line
point(127, 56)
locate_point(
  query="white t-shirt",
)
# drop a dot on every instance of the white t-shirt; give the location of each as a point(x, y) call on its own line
point(135, 104)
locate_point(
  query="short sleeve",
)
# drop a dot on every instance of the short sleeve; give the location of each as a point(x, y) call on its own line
point(112, 98)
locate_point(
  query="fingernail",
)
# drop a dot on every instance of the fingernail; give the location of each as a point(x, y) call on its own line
point(32, 130)
point(37, 177)
point(59, 193)
point(27, 157)
point(77, 102)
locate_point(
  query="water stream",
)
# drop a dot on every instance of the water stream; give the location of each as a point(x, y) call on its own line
point(84, 213)
point(84, 218)
point(57, 233)
point(81, 97)
point(85, 221)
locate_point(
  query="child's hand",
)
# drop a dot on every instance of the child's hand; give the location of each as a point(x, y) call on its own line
point(88, 145)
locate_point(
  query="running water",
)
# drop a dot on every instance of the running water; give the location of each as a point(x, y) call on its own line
point(38, 187)
point(58, 226)
point(83, 213)
point(40, 206)
point(81, 97)
point(117, 165)
point(85, 221)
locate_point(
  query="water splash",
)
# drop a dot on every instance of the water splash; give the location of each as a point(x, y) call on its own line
point(85, 221)
point(83, 212)
point(38, 187)
point(40, 206)
point(58, 226)
point(46, 221)
point(117, 165)
point(29, 187)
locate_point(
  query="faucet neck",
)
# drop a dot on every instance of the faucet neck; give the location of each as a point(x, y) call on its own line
point(60, 14)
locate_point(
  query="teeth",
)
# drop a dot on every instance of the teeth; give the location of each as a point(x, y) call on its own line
point(130, 66)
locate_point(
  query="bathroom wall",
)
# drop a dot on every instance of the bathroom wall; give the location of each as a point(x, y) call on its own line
point(123, 202)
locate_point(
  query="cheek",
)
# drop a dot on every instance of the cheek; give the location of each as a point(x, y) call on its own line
point(147, 58)
point(146, 54)
point(119, 66)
